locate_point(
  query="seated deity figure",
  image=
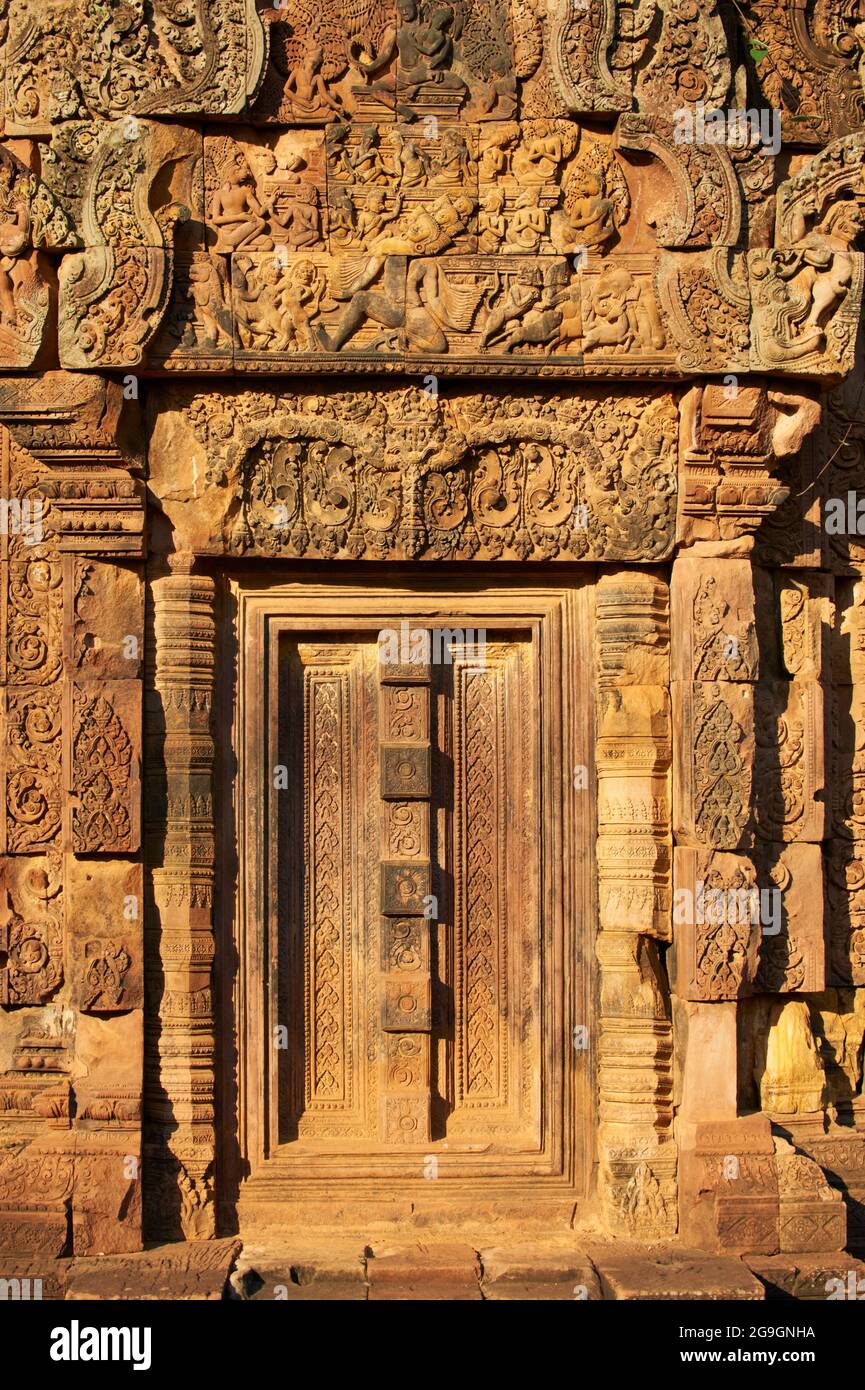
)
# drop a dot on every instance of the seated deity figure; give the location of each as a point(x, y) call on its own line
point(589, 212)
point(367, 163)
point(237, 214)
point(422, 39)
point(537, 158)
point(305, 228)
point(339, 155)
point(497, 152)
point(414, 164)
point(425, 41)
point(291, 206)
point(306, 90)
point(527, 226)
point(341, 219)
point(374, 216)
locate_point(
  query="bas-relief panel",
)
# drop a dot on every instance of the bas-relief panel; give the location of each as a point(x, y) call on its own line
point(418, 185)
point(411, 475)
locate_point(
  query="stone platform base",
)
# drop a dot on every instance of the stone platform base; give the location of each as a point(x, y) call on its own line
point(351, 1270)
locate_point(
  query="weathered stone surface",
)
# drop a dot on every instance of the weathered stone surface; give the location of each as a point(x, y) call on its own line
point(789, 765)
point(65, 61)
point(812, 1277)
point(716, 918)
point(728, 1190)
point(633, 629)
point(34, 1279)
point(807, 614)
point(302, 1272)
point(169, 1272)
point(712, 616)
point(417, 473)
point(747, 923)
point(792, 950)
point(511, 1273)
point(791, 1075)
point(430, 1273)
point(812, 1215)
point(705, 1061)
point(108, 947)
point(667, 1274)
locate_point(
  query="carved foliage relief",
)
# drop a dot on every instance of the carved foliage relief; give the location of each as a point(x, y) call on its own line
point(407, 475)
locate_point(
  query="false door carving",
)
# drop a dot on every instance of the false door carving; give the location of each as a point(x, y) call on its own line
point(408, 853)
point(413, 880)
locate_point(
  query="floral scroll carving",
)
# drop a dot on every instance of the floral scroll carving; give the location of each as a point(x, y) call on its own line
point(448, 480)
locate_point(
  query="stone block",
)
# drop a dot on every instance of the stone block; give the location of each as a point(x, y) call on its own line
point(714, 735)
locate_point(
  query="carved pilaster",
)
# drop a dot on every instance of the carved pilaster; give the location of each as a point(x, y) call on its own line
point(71, 892)
point(748, 912)
point(179, 1082)
point(638, 1157)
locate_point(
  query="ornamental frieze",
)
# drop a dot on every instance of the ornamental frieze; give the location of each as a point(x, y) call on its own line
point(415, 475)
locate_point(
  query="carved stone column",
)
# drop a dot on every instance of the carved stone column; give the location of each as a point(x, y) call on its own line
point(637, 1153)
point(179, 1084)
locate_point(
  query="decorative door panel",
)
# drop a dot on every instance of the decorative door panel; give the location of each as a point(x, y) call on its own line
point(410, 946)
point(413, 880)
point(495, 949)
point(324, 852)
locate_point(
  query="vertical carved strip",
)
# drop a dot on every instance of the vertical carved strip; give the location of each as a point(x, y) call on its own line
point(322, 852)
point(405, 752)
point(327, 836)
point(480, 819)
point(179, 1084)
point(637, 1151)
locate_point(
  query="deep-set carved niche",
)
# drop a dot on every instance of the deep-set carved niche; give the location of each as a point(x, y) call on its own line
point(412, 476)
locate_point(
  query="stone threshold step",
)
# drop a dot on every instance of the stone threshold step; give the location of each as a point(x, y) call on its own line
point(353, 1270)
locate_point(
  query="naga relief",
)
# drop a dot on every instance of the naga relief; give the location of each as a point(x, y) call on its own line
point(432, 648)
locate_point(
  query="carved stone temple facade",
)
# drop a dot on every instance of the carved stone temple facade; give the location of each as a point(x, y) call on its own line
point(523, 333)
